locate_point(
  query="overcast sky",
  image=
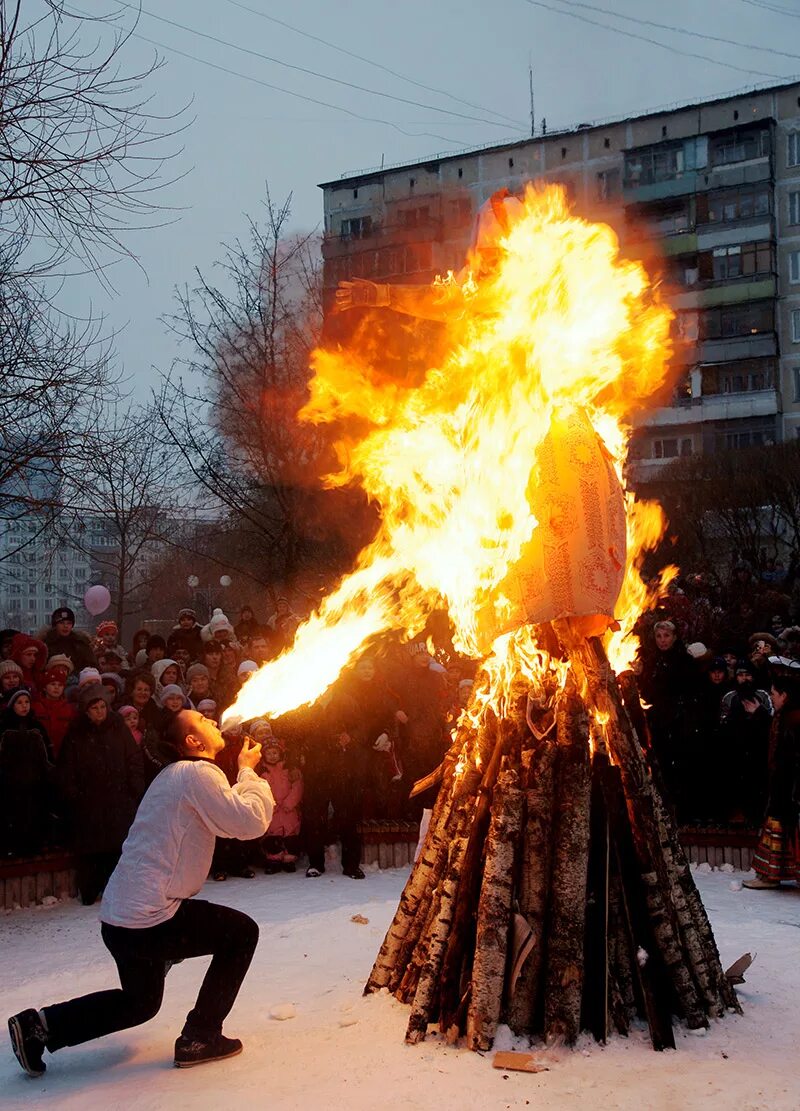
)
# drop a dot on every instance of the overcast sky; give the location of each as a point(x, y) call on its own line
point(245, 134)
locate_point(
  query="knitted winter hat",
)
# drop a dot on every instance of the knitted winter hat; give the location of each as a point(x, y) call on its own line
point(17, 694)
point(186, 612)
point(112, 677)
point(10, 667)
point(207, 706)
point(246, 667)
point(195, 670)
point(93, 692)
point(61, 661)
point(218, 623)
point(55, 675)
point(261, 731)
point(718, 664)
point(107, 627)
point(125, 710)
point(89, 675)
point(167, 691)
point(63, 613)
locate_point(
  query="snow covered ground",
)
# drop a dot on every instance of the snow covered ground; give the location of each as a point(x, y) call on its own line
point(313, 1041)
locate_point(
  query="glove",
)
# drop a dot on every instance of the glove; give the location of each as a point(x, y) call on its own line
point(360, 293)
point(383, 744)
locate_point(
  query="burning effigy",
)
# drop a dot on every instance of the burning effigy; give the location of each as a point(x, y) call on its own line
point(551, 890)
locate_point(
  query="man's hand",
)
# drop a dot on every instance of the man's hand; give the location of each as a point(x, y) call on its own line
point(359, 293)
point(749, 705)
point(250, 754)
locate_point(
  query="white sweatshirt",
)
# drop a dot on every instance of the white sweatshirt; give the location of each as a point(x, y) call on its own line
point(168, 850)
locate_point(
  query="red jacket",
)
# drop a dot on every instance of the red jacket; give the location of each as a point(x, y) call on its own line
point(32, 677)
point(55, 714)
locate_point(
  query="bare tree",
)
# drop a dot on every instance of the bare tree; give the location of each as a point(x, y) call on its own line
point(230, 406)
point(81, 152)
point(123, 495)
point(81, 158)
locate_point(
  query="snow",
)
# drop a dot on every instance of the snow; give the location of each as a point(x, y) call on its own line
point(344, 1051)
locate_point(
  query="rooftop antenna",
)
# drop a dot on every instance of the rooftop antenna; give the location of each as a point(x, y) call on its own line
point(530, 85)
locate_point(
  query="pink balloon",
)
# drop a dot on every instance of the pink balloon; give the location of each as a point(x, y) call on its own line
point(97, 599)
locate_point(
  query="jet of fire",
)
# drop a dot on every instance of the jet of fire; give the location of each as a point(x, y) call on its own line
point(561, 325)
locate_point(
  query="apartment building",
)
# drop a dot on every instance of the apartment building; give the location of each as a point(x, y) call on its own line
point(708, 193)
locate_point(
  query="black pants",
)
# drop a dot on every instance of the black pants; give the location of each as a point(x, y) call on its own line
point(197, 929)
point(346, 801)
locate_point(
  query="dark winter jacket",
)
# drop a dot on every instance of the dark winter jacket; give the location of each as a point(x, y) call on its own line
point(784, 765)
point(77, 647)
point(25, 772)
point(189, 639)
point(100, 777)
point(667, 679)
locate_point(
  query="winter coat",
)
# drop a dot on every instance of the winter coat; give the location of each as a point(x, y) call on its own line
point(246, 630)
point(101, 779)
point(667, 679)
point(77, 647)
point(25, 772)
point(167, 854)
point(189, 639)
point(32, 677)
point(56, 715)
point(783, 763)
point(286, 785)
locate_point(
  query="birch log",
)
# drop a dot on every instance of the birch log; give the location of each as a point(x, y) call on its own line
point(494, 913)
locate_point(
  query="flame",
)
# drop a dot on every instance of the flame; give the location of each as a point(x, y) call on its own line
point(559, 325)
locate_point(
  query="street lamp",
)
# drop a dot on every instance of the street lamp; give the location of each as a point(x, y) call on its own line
point(208, 594)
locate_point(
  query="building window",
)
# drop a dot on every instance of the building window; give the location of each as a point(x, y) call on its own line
point(793, 148)
point(729, 321)
point(794, 267)
point(794, 207)
point(795, 318)
point(460, 212)
point(738, 147)
point(357, 227)
point(672, 448)
point(608, 185)
point(755, 437)
point(796, 382)
point(734, 204)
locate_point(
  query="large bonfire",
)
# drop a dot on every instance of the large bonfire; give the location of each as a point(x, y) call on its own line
point(551, 890)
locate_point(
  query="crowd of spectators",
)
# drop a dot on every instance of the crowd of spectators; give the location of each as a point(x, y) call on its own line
point(84, 725)
point(84, 720)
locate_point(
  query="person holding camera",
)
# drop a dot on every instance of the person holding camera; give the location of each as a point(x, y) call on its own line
point(149, 917)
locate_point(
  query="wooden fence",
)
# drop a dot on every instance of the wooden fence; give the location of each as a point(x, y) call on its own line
point(389, 844)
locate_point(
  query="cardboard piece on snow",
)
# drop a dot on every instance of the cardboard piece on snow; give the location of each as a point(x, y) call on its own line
point(517, 1062)
point(735, 973)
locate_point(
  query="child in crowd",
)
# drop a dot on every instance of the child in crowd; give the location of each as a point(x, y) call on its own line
point(10, 680)
point(166, 673)
point(172, 700)
point(31, 655)
point(282, 840)
point(130, 715)
point(52, 709)
point(199, 684)
point(115, 686)
point(208, 708)
point(246, 671)
point(25, 771)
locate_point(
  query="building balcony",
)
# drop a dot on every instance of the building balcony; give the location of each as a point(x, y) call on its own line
point(725, 292)
point(750, 230)
point(702, 180)
point(713, 407)
point(732, 348)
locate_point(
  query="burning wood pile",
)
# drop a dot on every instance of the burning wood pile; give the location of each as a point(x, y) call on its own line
point(551, 891)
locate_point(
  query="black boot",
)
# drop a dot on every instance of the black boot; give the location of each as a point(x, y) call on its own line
point(29, 1041)
point(191, 1049)
point(354, 873)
